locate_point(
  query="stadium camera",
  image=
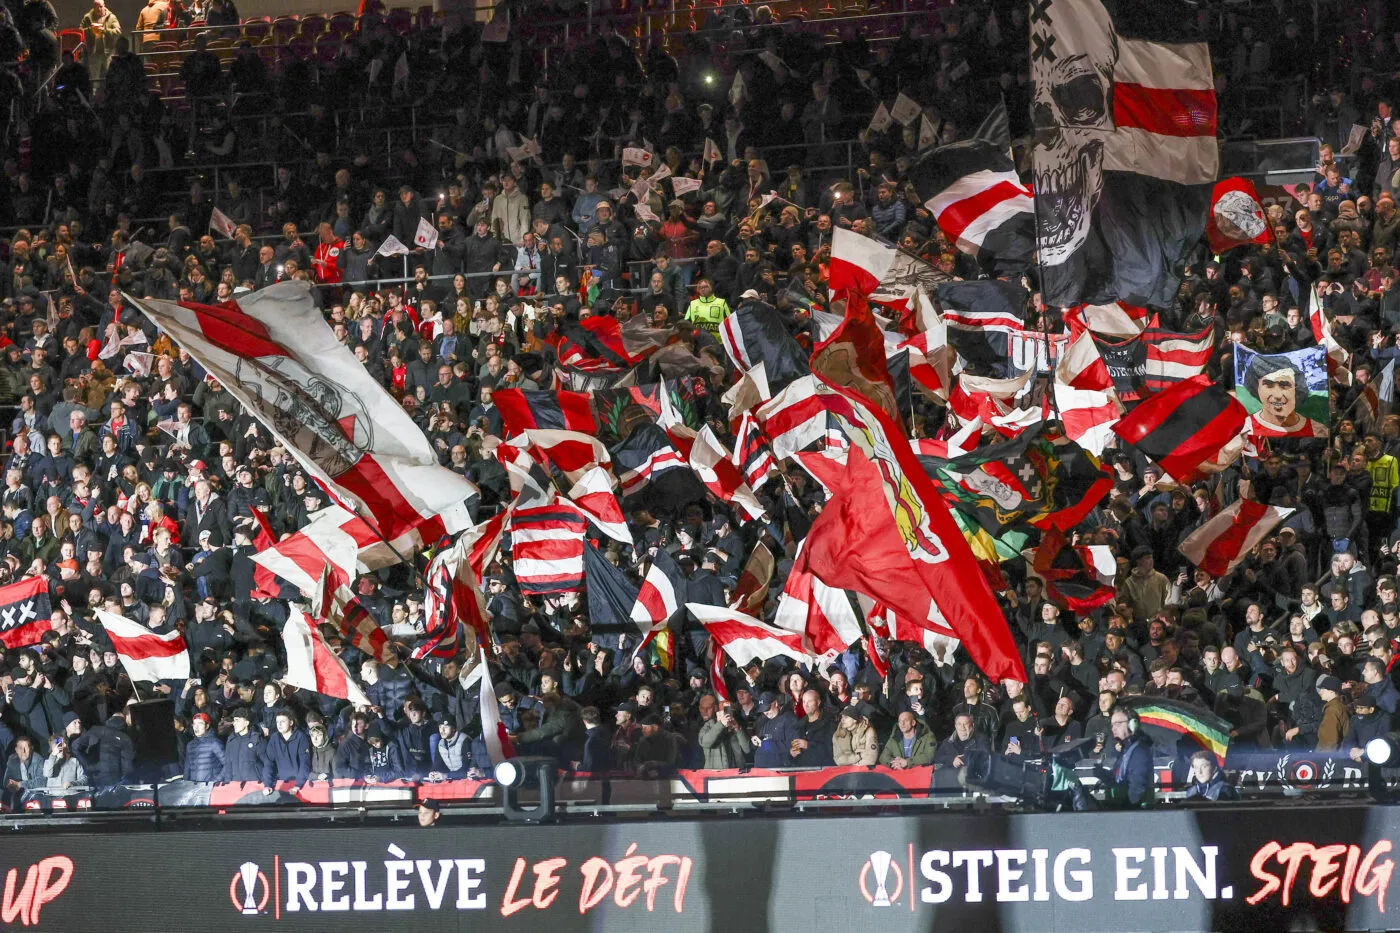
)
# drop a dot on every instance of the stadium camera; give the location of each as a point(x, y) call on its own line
point(514, 775)
point(1028, 781)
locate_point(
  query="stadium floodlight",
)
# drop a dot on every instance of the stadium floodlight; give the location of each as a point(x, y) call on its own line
point(516, 774)
point(1382, 751)
point(509, 773)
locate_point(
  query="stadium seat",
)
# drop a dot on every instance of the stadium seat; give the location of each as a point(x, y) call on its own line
point(71, 40)
point(284, 27)
point(257, 27)
point(341, 24)
point(313, 26)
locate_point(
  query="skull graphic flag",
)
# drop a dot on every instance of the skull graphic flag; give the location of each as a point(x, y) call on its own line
point(972, 190)
point(275, 353)
point(1236, 216)
point(1125, 153)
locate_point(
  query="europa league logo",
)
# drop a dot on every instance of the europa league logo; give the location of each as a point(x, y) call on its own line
point(880, 864)
point(248, 878)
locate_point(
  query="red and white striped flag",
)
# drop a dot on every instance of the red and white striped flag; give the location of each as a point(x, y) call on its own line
point(546, 546)
point(1081, 366)
point(1084, 393)
point(751, 453)
point(858, 263)
point(821, 614)
point(794, 418)
point(1221, 543)
point(1173, 356)
point(661, 594)
point(274, 351)
point(312, 665)
point(146, 655)
point(493, 731)
point(745, 638)
point(751, 592)
point(337, 537)
point(452, 600)
point(574, 453)
point(593, 494)
point(336, 604)
point(710, 460)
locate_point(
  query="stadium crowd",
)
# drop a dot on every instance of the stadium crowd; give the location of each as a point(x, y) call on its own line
point(132, 478)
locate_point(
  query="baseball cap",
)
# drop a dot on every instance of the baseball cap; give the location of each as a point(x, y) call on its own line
point(1329, 682)
point(766, 702)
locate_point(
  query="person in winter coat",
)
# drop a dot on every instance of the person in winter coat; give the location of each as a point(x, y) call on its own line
point(387, 686)
point(1334, 714)
point(39, 702)
point(772, 733)
point(1129, 785)
point(953, 751)
point(204, 755)
point(451, 752)
point(560, 733)
point(287, 756)
point(658, 751)
point(510, 213)
point(23, 772)
point(352, 757)
point(385, 762)
point(106, 752)
point(1367, 722)
point(61, 770)
point(911, 745)
point(354, 261)
point(725, 741)
point(322, 751)
point(415, 739)
point(812, 746)
point(1208, 781)
point(855, 741)
point(597, 744)
point(244, 752)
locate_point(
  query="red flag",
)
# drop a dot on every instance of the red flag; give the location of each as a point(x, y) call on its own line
point(853, 545)
point(904, 502)
point(854, 356)
point(1191, 429)
point(522, 409)
point(1236, 217)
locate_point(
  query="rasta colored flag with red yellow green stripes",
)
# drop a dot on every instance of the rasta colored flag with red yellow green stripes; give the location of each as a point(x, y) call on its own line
point(1161, 715)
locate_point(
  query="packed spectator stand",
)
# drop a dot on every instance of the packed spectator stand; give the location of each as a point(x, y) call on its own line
point(203, 156)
